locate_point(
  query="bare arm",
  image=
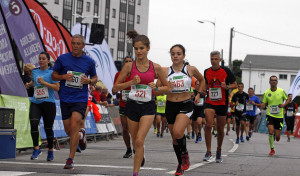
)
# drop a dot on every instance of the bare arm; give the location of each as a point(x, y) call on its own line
point(119, 85)
point(162, 83)
point(57, 77)
point(54, 86)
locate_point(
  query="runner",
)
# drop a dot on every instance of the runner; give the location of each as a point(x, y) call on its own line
point(290, 112)
point(160, 115)
point(251, 112)
point(233, 91)
point(122, 111)
point(198, 113)
point(218, 80)
point(140, 106)
point(240, 100)
point(179, 106)
point(274, 97)
point(72, 69)
point(42, 104)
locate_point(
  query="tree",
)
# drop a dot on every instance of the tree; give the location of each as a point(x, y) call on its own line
point(237, 72)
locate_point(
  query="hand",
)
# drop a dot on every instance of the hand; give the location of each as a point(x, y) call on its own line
point(203, 92)
point(280, 106)
point(171, 84)
point(136, 79)
point(236, 103)
point(253, 102)
point(68, 76)
point(223, 84)
point(40, 80)
point(152, 85)
point(197, 99)
point(85, 80)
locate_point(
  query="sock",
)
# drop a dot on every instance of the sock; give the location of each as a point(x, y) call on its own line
point(178, 153)
point(182, 144)
point(271, 141)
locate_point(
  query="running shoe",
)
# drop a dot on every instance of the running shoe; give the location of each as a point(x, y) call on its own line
point(197, 140)
point(161, 135)
point(155, 130)
point(247, 138)
point(237, 141)
point(78, 149)
point(216, 134)
point(128, 154)
point(167, 130)
point(185, 161)
point(213, 132)
point(219, 158)
point(50, 156)
point(179, 171)
point(157, 134)
point(232, 128)
point(242, 139)
point(82, 142)
point(143, 162)
point(289, 140)
point(207, 156)
point(227, 133)
point(36, 153)
point(193, 135)
point(69, 164)
point(200, 138)
point(135, 174)
point(250, 134)
point(272, 152)
point(188, 136)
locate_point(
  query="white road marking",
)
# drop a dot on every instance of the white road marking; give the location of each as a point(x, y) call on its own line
point(83, 165)
point(12, 173)
point(235, 146)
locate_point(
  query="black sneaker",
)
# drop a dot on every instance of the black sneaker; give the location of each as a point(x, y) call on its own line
point(219, 158)
point(143, 162)
point(207, 156)
point(128, 154)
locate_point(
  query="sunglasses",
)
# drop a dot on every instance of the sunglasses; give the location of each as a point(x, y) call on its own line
point(273, 80)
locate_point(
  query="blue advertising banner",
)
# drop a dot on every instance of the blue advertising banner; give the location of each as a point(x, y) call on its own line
point(58, 127)
point(23, 30)
point(10, 79)
point(263, 126)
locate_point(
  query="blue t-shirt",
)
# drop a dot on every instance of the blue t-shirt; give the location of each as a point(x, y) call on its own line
point(83, 64)
point(257, 101)
point(46, 74)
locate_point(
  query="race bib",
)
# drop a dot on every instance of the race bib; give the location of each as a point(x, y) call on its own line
point(249, 107)
point(215, 94)
point(240, 107)
point(161, 104)
point(289, 113)
point(274, 109)
point(125, 95)
point(179, 84)
point(76, 80)
point(140, 93)
point(229, 110)
point(41, 92)
point(201, 102)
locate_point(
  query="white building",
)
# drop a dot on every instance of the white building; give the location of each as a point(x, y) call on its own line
point(117, 16)
point(257, 69)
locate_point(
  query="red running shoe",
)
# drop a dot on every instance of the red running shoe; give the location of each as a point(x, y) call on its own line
point(185, 161)
point(272, 152)
point(179, 171)
point(69, 164)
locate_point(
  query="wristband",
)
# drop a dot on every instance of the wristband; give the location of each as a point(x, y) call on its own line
point(90, 81)
point(156, 89)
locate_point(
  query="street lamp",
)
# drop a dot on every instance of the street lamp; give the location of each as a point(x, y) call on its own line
point(214, 23)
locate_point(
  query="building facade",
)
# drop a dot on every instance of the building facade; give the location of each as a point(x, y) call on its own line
point(117, 16)
point(257, 69)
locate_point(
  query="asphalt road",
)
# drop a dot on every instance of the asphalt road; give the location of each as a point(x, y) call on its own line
point(105, 158)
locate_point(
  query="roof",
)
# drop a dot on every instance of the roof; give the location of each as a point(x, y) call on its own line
point(271, 62)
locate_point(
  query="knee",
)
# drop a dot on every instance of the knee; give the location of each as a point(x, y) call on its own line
point(139, 143)
point(177, 134)
point(208, 126)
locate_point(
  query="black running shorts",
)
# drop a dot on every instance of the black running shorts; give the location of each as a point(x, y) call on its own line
point(175, 108)
point(136, 110)
point(68, 108)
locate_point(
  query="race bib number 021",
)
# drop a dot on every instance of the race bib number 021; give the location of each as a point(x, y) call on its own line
point(140, 93)
point(76, 80)
point(41, 92)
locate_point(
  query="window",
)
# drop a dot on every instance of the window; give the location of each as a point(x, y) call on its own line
point(79, 6)
point(138, 19)
point(96, 8)
point(124, 1)
point(139, 2)
point(112, 33)
point(114, 13)
point(282, 76)
point(121, 36)
point(131, 2)
point(112, 52)
point(130, 19)
point(292, 79)
point(106, 13)
point(88, 6)
point(68, 4)
point(55, 17)
point(67, 23)
point(56, 2)
point(122, 17)
point(106, 33)
point(120, 55)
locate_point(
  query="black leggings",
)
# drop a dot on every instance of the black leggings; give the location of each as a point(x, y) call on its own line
point(48, 111)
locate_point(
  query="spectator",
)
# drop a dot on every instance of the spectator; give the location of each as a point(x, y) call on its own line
point(27, 77)
point(103, 95)
point(97, 92)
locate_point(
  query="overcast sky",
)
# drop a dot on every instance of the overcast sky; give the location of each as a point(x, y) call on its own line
point(175, 21)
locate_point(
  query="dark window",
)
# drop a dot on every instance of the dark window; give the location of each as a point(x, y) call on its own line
point(88, 6)
point(282, 76)
point(79, 6)
point(112, 52)
point(139, 2)
point(67, 23)
point(114, 13)
point(121, 36)
point(138, 19)
point(56, 2)
point(122, 17)
point(130, 19)
point(131, 2)
point(112, 33)
point(120, 55)
point(68, 4)
point(96, 7)
point(124, 1)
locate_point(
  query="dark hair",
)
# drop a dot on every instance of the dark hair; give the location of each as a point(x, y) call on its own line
point(290, 94)
point(48, 57)
point(273, 77)
point(138, 38)
point(126, 58)
point(180, 46)
point(240, 83)
point(250, 88)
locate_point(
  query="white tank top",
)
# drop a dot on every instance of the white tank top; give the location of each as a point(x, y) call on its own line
point(181, 81)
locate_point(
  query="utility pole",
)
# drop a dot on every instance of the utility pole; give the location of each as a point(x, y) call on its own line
point(230, 49)
point(222, 62)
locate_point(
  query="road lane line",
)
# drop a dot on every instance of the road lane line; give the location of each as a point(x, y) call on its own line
point(12, 173)
point(82, 165)
point(235, 146)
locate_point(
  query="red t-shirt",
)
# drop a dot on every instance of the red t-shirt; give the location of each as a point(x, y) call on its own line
point(97, 95)
point(122, 103)
point(103, 96)
point(213, 79)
